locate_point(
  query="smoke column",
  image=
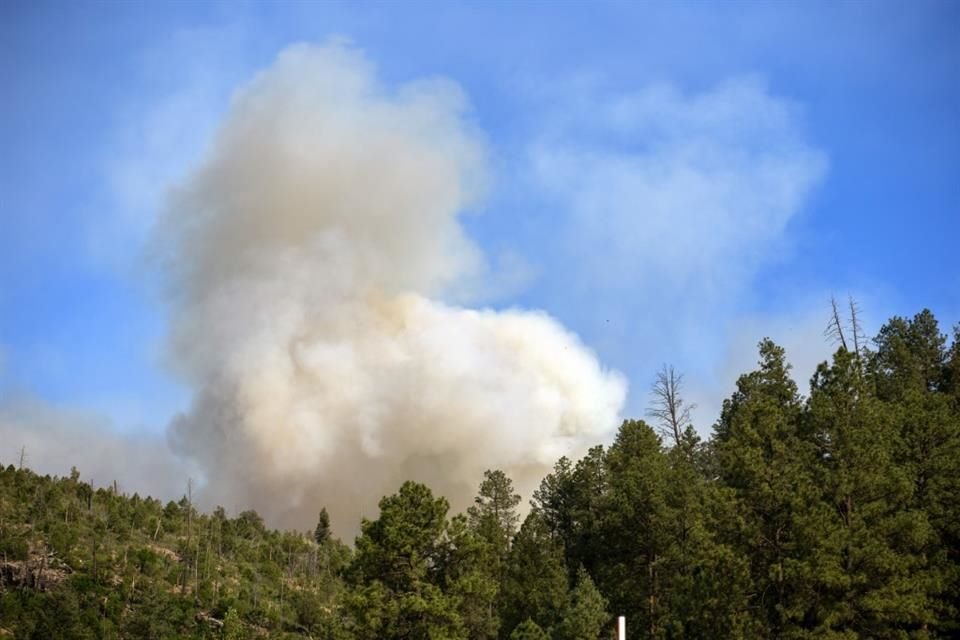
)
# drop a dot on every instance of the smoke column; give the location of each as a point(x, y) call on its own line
point(319, 279)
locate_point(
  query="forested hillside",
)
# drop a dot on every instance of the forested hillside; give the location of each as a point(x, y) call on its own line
point(832, 514)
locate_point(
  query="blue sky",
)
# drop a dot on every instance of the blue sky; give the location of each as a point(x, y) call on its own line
point(671, 181)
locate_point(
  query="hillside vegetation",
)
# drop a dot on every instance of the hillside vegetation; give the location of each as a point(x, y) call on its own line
point(829, 515)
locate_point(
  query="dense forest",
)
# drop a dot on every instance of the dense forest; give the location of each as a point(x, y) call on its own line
point(827, 515)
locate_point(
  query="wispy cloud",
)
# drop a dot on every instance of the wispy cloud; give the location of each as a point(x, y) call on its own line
point(670, 203)
point(798, 326)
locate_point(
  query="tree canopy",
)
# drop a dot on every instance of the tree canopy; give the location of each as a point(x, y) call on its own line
point(832, 514)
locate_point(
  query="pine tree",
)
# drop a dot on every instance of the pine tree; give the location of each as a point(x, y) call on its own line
point(586, 611)
point(494, 513)
point(321, 534)
point(872, 573)
point(764, 457)
point(705, 582)
point(471, 573)
point(911, 369)
point(553, 501)
point(588, 488)
point(634, 537)
point(396, 575)
point(951, 373)
point(529, 630)
point(535, 581)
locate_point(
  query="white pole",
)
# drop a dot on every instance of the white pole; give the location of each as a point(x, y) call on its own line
point(621, 628)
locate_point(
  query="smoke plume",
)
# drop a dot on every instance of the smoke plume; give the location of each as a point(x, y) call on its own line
point(319, 283)
point(52, 439)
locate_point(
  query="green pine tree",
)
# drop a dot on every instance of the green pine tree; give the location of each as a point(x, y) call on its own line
point(872, 574)
point(912, 371)
point(529, 630)
point(395, 572)
point(471, 570)
point(321, 534)
point(766, 459)
point(634, 538)
point(535, 581)
point(586, 612)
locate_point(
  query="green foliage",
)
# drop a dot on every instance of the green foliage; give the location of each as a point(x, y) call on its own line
point(871, 571)
point(834, 516)
point(233, 627)
point(91, 563)
point(395, 572)
point(494, 513)
point(535, 582)
point(321, 534)
point(528, 630)
point(634, 535)
point(585, 613)
point(766, 458)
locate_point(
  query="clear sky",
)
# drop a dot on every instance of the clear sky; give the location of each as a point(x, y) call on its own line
point(671, 181)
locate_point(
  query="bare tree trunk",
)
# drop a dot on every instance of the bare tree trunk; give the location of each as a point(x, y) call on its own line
point(652, 599)
point(189, 510)
point(855, 324)
point(834, 329)
point(669, 408)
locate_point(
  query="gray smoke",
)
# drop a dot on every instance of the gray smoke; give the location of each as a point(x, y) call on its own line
point(54, 439)
point(319, 282)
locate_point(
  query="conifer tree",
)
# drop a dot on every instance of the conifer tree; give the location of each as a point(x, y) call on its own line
point(871, 572)
point(322, 532)
point(586, 611)
point(634, 536)
point(763, 457)
point(529, 630)
point(471, 574)
point(911, 369)
point(535, 581)
point(494, 513)
point(587, 495)
point(553, 502)
point(395, 572)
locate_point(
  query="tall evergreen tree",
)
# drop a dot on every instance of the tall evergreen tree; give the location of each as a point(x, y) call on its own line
point(553, 501)
point(763, 456)
point(471, 572)
point(911, 369)
point(588, 488)
point(321, 534)
point(634, 536)
point(395, 572)
point(872, 573)
point(704, 579)
point(494, 512)
point(951, 377)
point(479, 553)
point(535, 582)
point(585, 613)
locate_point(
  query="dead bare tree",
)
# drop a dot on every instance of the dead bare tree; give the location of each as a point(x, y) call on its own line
point(839, 328)
point(189, 509)
point(834, 330)
point(855, 326)
point(670, 410)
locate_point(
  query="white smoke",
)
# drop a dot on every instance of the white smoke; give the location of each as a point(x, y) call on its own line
point(318, 277)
